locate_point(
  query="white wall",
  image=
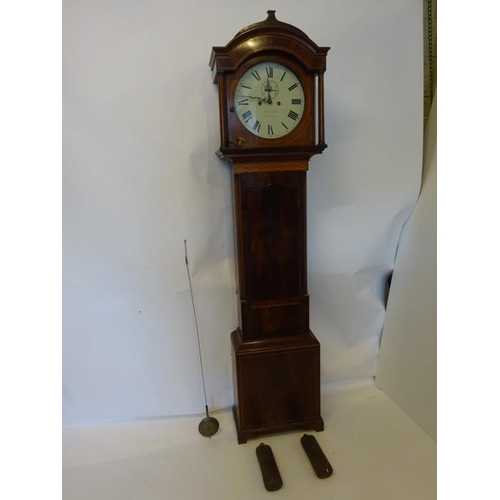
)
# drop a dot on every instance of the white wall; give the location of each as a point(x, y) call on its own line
point(406, 370)
point(140, 175)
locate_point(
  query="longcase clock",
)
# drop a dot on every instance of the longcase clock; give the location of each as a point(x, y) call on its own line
point(271, 105)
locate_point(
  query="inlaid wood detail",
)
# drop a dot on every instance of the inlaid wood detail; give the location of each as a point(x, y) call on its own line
point(241, 168)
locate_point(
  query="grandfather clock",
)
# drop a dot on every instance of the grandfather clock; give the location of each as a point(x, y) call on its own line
point(270, 78)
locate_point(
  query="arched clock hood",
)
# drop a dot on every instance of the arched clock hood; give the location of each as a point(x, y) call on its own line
point(285, 44)
point(270, 36)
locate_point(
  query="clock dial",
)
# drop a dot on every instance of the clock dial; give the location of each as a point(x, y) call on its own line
point(269, 100)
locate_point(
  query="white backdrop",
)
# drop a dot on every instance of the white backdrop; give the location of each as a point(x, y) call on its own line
point(140, 120)
point(407, 366)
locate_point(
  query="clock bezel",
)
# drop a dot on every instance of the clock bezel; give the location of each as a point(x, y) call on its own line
point(302, 135)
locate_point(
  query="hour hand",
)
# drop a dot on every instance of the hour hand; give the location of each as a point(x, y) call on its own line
point(252, 97)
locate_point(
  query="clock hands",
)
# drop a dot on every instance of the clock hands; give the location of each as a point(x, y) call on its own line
point(253, 97)
point(268, 89)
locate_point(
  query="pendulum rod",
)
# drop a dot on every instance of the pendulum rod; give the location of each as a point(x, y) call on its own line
point(209, 425)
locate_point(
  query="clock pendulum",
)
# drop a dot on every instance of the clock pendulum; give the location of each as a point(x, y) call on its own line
point(209, 425)
point(271, 109)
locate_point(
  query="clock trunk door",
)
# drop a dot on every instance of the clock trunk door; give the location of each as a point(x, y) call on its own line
point(273, 248)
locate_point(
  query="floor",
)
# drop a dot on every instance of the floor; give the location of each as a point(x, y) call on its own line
point(376, 450)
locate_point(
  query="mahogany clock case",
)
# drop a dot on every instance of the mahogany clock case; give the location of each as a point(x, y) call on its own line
point(275, 356)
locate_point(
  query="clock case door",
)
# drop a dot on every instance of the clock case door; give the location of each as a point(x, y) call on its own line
point(271, 241)
point(275, 356)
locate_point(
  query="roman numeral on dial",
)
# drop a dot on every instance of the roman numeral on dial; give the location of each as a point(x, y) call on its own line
point(297, 101)
point(293, 115)
point(244, 102)
point(294, 86)
point(256, 75)
point(269, 72)
point(270, 130)
point(247, 116)
point(256, 126)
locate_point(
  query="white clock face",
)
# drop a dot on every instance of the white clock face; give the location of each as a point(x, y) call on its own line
point(269, 100)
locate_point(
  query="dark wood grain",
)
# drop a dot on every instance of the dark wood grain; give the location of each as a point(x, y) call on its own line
point(277, 385)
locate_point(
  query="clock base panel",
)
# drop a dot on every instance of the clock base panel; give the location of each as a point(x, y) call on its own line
point(276, 385)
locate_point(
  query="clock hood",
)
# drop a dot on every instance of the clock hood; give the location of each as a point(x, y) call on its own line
point(269, 35)
point(271, 24)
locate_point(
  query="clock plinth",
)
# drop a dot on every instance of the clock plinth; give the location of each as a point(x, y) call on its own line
point(277, 385)
point(270, 79)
